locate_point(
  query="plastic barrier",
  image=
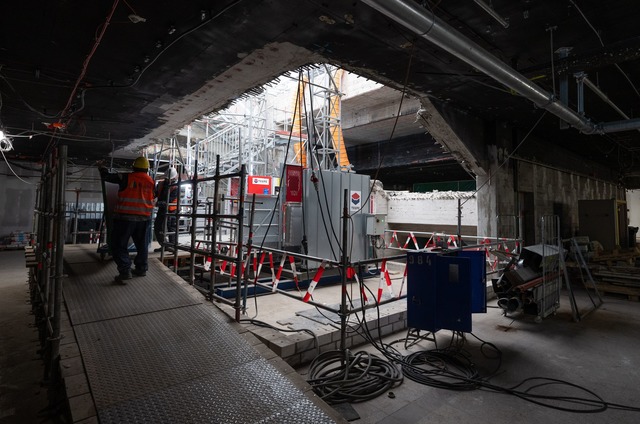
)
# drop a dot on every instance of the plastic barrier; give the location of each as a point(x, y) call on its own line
point(384, 279)
point(314, 282)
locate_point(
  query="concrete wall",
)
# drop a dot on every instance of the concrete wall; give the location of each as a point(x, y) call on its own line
point(426, 212)
point(554, 192)
point(557, 192)
point(86, 182)
point(18, 198)
point(496, 197)
point(431, 208)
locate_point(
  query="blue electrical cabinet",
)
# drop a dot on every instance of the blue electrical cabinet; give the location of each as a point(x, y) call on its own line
point(478, 279)
point(443, 290)
point(421, 291)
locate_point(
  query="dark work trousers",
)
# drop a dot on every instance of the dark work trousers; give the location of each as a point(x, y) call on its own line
point(137, 230)
point(158, 226)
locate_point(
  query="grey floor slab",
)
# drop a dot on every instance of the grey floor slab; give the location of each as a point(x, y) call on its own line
point(154, 352)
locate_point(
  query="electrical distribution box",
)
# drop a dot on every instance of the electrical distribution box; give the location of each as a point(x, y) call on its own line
point(444, 290)
point(376, 225)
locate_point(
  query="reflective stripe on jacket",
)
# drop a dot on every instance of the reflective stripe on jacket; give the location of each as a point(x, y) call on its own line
point(137, 197)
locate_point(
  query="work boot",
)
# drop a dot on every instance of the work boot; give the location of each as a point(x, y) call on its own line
point(124, 276)
point(139, 272)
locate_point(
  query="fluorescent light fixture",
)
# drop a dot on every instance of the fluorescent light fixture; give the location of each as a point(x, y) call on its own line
point(489, 9)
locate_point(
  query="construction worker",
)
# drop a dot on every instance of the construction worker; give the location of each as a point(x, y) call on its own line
point(131, 218)
point(167, 195)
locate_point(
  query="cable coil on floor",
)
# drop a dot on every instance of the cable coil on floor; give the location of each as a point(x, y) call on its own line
point(338, 376)
point(442, 368)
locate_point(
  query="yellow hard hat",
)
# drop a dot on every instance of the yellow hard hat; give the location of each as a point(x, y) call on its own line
point(141, 163)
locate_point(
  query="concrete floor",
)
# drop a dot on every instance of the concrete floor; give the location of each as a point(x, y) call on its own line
point(600, 353)
point(23, 397)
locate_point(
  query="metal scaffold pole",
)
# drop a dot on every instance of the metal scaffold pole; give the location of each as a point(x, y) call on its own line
point(61, 173)
point(194, 217)
point(239, 259)
point(344, 265)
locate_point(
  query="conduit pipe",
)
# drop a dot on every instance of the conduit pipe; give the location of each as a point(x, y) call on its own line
point(428, 26)
point(487, 8)
point(582, 77)
point(618, 126)
point(610, 127)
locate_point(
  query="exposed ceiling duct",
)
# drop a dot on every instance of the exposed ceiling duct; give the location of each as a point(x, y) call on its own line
point(428, 26)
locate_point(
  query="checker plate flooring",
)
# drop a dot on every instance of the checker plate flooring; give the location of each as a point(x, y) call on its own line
point(92, 295)
point(155, 353)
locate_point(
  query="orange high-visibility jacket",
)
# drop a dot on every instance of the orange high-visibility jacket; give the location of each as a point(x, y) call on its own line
point(173, 199)
point(137, 197)
point(161, 193)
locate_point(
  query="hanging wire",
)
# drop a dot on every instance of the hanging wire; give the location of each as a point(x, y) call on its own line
point(602, 44)
point(282, 175)
point(506, 159)
point(12, 171)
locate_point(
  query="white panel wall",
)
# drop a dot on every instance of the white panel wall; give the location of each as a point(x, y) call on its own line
point(18, 198)
point(633, 205)
point(431, 208)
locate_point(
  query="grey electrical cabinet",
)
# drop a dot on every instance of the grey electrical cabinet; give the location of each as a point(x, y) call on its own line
point(376, 225)
point(605, 221)
point(323, 213)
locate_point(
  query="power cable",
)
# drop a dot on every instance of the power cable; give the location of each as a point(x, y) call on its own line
point(311, 123)
point(338, 376)
point(451, 369)
point(12, 171)
point(178, 38)
point(277, 202)
point(395, 123)
point(602, 44)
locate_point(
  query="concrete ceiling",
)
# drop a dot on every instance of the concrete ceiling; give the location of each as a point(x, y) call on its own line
point(85, 74)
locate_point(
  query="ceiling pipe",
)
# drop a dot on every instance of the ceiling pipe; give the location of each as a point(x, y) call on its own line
point(619, 126)
point(581, 76)
point(428, 26)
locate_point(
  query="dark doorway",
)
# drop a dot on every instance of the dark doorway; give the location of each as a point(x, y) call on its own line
point(527, 218)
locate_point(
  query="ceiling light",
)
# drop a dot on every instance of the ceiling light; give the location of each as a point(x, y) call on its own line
point(136, 18)
point(5, 142)
point(171, 30)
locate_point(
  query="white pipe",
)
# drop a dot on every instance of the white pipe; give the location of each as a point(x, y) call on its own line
point(433, 29)
point(596, 90)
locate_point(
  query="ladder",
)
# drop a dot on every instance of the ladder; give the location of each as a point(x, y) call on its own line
point(589, 283)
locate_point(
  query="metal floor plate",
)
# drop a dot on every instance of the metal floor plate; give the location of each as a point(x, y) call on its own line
point(74, 256)
point(253, 392)
point(155, 353)
point(92, 295)
point(134, 355)
point(185, 365)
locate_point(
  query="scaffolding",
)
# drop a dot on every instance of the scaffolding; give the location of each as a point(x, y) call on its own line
point(45, 277)
point(256, 129)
